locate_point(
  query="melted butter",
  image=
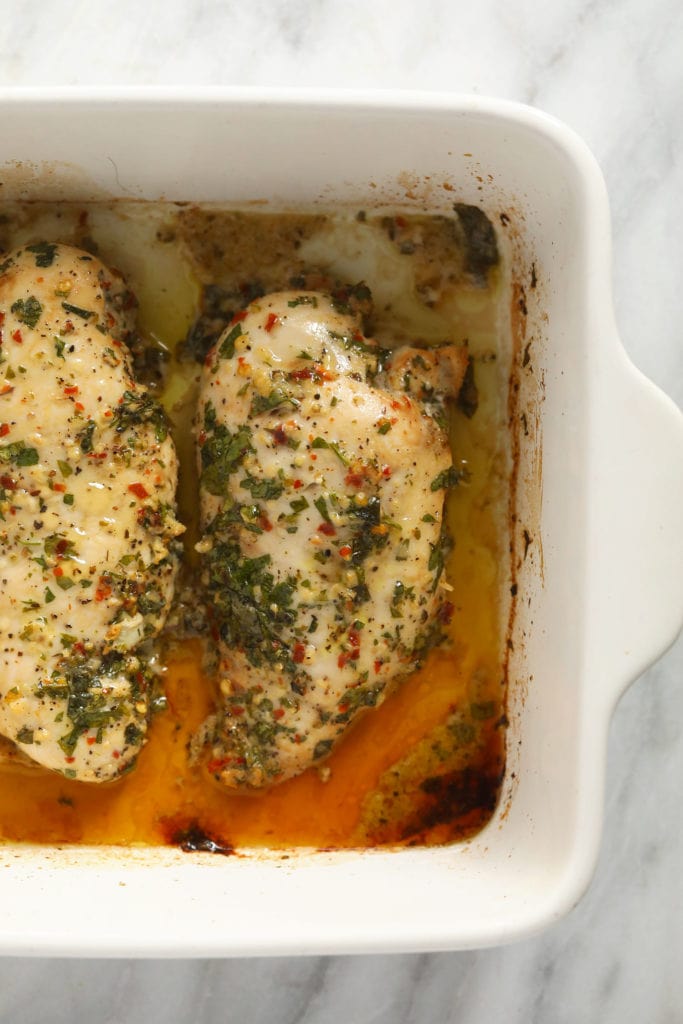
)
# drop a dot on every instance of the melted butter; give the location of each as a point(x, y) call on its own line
point(404, 772)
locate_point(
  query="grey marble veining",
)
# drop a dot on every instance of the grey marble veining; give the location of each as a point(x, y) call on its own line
point(612, 69)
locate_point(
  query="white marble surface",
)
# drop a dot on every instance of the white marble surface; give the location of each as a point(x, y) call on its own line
point(612, 69)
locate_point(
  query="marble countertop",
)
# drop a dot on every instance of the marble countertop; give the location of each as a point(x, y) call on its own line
point(613, 71)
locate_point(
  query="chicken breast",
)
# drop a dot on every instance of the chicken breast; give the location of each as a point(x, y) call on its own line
point(322, 479)
point(87, 516)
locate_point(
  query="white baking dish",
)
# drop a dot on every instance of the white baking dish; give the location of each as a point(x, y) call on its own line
point(600, 492)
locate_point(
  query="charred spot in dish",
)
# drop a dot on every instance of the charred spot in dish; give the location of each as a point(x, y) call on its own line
point(191, 837)
point(481, 244)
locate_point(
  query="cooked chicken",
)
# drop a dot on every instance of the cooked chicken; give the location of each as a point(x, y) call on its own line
point(323, 475)
point(87, 524)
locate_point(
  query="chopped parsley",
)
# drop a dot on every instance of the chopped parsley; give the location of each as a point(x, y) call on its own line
point(227, 349)
point(84, 314)
point(44, 253)
point(273, 400)
point(27, 310)
point(136, 409)
point(19, 453)
point(222, 454)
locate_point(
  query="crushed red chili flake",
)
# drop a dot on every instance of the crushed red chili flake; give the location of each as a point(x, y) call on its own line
point(139, 490)
point(346, 656)
point(299, 653)
point(58, 571)
point(4, 429)
point(297, 484)
point(279, 434)
point(16, 336)
point(71, 389)
point(378, 665)
point(6, 389)
point(273, 319)
point(354, 637)
point(327, 529)
point(238, 316)
point(345, 551)
point(8, 483)
point(236, 709)
point(279, 713)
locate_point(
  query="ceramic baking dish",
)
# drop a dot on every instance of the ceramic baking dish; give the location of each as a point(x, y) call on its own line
point(597, 515)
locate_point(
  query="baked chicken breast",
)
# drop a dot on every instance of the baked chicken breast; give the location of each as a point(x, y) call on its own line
point(87, 516)
point(323, 466)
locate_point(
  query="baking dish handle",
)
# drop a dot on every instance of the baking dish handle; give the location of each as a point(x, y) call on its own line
point(637, 520)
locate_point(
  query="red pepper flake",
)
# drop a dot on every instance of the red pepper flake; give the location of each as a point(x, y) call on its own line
point(16, 336)
point(138, 490)
point(90, 740)
point(265, 523)
point(4, 429)
point(59, 487)
point(61, 546)
point(378, 666)
point(354, 637)
point(279, 713)
point(218, 763)
point(297, 484)
point(239, 316)
point(80, 407)
point(357, 475)
point(345, 551)
point(6, 389)
point(327, 529)
point(116, 754)
point(72, 389)
point(386, 471)
point(8, 483)
point(69, 760)
point(273, 319)
point(314, 373)
point(68, 327)
point(58, 571)
point(299, 653)
point(79, 647)
point(346, 656)
point(103, 589)
point(201, 439)
point(236, 709)
point(279, 434)
point(97, 455)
